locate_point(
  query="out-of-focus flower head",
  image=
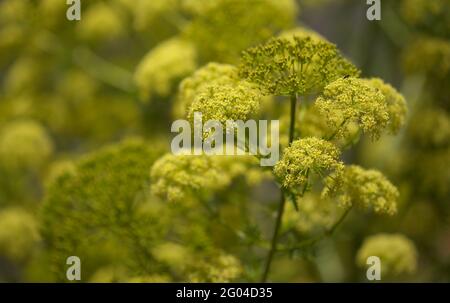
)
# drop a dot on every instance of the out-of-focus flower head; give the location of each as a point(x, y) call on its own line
point(73, 115)
point(54, 12)
point(431, 174)
point(59, 168)
point(306, 157)
point(24, 76)
point(366, 189)
point(115, 274)
point(172, 254)
point(221, 268)
point(428, 55)
point(246, 166)
point(226, 27)
point(24, 144)
point(398, 254)
point(432, 16)
point(163, 66)
point(430, 128)
point(429, 135)
point(78, 85)
point(351, 100)
point(109, 274)
point(190, 87)
point(15, 10)
point(294, 66)
point(157, 20)
point(11, 37)
point(19, 233)
point(313, 214)
point(102, 22)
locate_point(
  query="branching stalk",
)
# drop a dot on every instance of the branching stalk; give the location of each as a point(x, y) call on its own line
point(329, 232)
point(273, 246)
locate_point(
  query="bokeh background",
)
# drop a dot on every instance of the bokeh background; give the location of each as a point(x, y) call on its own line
point(86, 108)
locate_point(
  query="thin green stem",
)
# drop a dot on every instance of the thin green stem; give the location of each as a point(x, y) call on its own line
point(333, 228)
point(273, 246)
point(104, 70)
point(292, 120)
point(330, 231)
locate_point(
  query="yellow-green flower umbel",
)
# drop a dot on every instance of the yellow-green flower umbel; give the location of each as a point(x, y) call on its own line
point(160, 69)
point(24, 144)
point(351, 100)
point(305, 157)
point(398, 254)
point(227, 102)
point(367, 189)
point(396, 104)
point(294, 66)
point(212, 73)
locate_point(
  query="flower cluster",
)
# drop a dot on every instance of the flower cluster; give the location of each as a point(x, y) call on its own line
point(178, 177)
point(163, 66)
point(115, 274)
point(396, 104)
point(101, 21)
point(223, 21)
point(428, 55)
point(427, 15)
point(172, 254)
point(52, 10)
point(24, 144)
point(304, 157)
point(314, 213)
point(294, 66)
point(175, 177)
point(430, 128)
point(352, 100)
point(216, 266)
point(24, 75)
point(212, 73)
point(429, 135)
point(226, 102)
point(398, 254)
point(150, 14)
point(366, 189)
point(221, 268)
point(18, 233)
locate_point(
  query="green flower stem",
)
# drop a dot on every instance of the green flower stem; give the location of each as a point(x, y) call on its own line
point(273, 246)
point(330, 231)
point(280, 212)
point(333, 228)
point(292, 121)
point(104, 70)
point(239, 233)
